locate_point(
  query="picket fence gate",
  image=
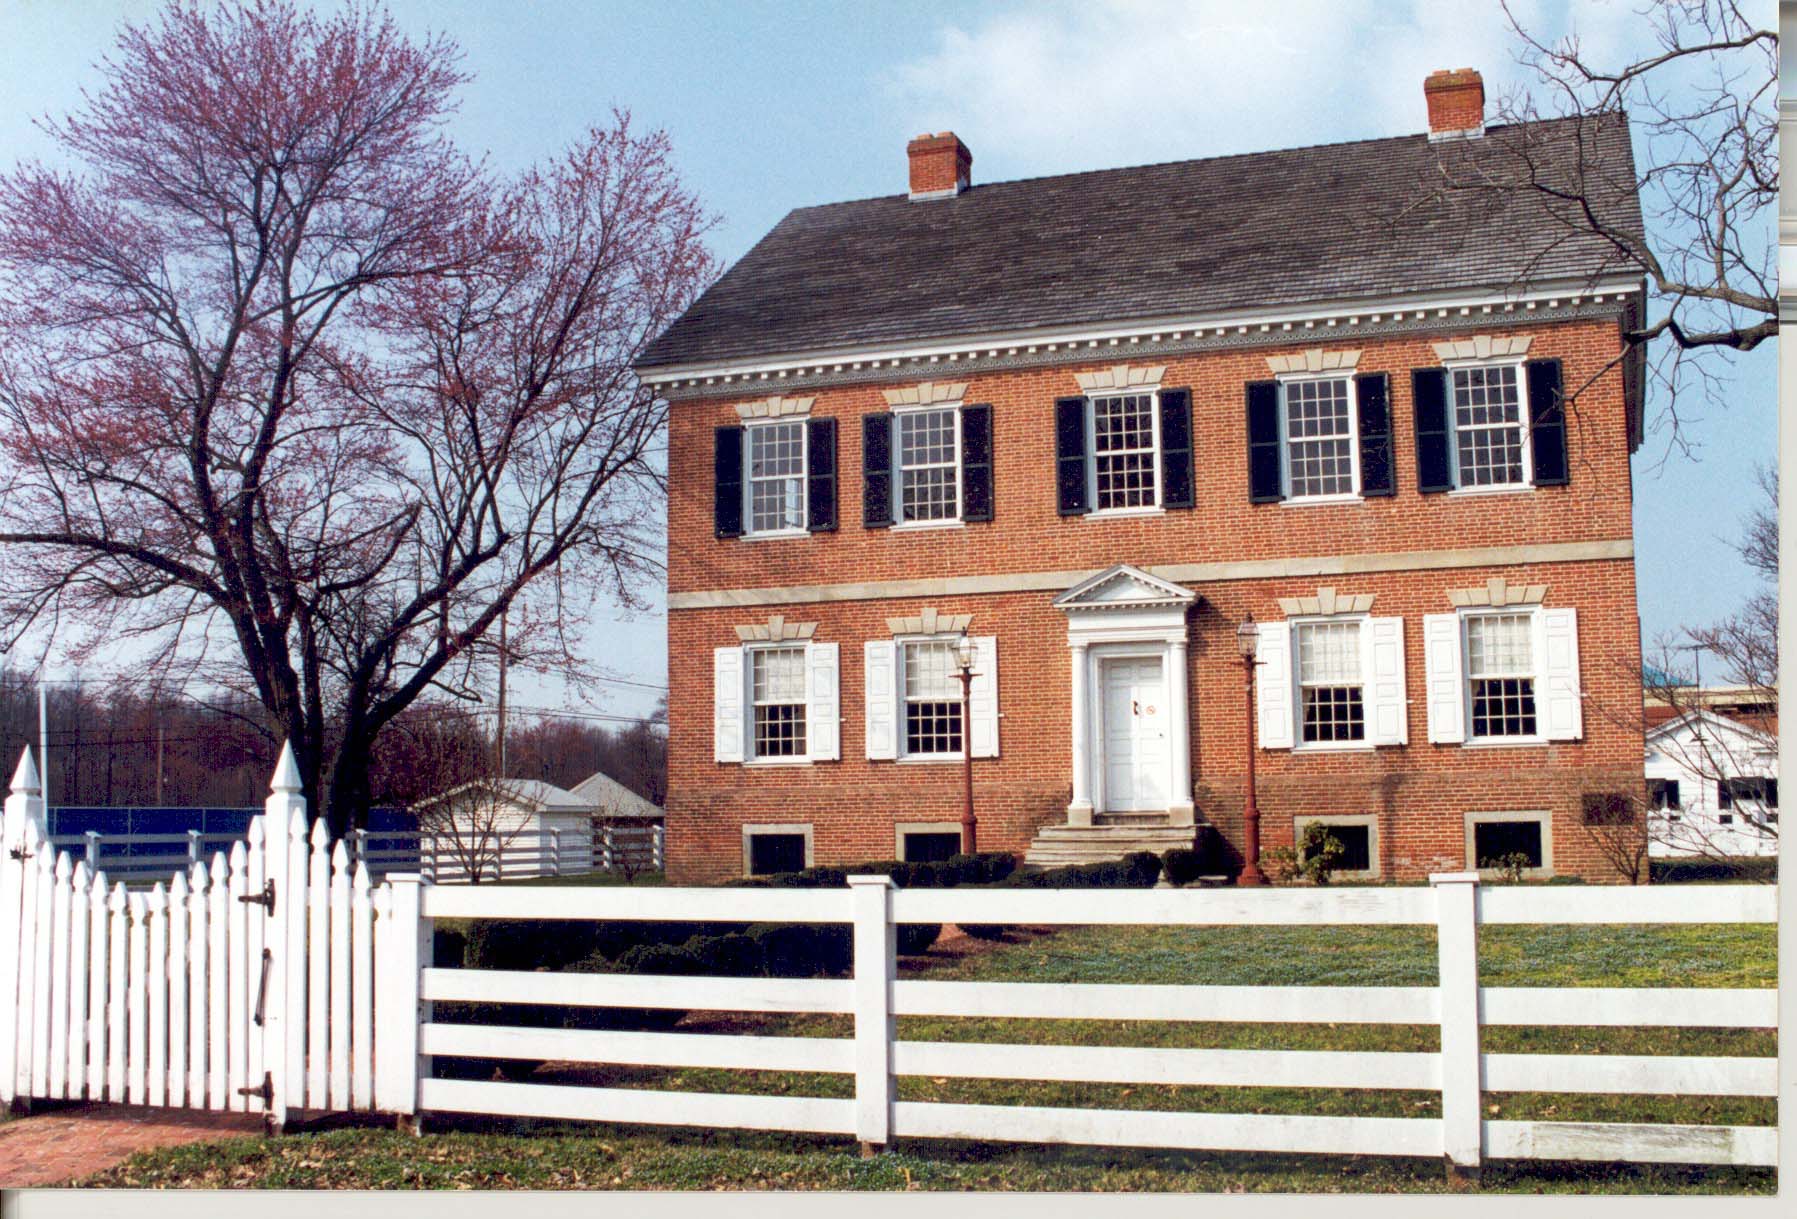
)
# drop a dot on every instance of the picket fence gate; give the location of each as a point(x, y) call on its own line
point(321, 998)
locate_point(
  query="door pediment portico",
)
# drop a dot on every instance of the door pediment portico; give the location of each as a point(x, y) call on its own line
point(1124, 587)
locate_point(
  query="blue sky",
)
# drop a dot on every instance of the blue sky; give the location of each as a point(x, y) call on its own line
point(773, 106)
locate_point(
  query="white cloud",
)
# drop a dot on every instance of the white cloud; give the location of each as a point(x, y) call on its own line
point(1054, 88)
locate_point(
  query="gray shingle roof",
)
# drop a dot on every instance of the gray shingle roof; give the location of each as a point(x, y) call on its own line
point(1271, 229)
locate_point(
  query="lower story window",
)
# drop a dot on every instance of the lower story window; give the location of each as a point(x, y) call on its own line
point(932, 698)
point(931, 846)
point(1500, 671)
point(772, 853)
point(1497, 843)
point(1356, 842)
point(1331, 694)
point(777, 687)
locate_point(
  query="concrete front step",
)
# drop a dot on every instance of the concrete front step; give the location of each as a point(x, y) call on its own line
point(1059, 845)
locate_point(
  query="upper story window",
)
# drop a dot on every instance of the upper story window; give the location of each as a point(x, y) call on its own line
point(1319, 438)
point(932, 697)
point(1490, 441)
point(1331, 687)
point(928, 462)
point(777, 694)
point(776, 484)
point(1125, 452)
point(1501, 674)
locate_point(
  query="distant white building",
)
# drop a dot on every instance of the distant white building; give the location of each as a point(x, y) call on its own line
point(610, 801)
point(1712, 787)
point(503, 828)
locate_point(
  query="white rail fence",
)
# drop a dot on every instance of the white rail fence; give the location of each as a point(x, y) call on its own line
point(443, 858)
point(322, 999)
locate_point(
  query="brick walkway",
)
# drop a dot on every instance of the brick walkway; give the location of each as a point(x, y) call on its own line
point(67, 1144)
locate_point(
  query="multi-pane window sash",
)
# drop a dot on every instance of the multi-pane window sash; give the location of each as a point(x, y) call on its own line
point(777, 693)
point(932, 688)
point(1488, 427)
point(1500, 671)
point(1319, 438)
point(929, 465)
point(1125, 464)
point(777, 477)
point(1332, 690)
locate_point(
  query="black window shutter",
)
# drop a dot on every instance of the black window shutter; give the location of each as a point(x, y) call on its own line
point(876, 470)
point(1070, 456)
point(820, 475)
point(727, 482)
point(1176, 449)
point(1547, 423)
point(1263, 443)
point(1378, 472)
point(1429, 389)
point(976, 462)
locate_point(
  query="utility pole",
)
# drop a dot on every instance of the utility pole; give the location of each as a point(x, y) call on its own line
point(159, 731)
point(43, 736)
point(499, 743)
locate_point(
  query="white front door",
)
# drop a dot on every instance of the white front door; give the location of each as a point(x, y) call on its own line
point(1135, 736)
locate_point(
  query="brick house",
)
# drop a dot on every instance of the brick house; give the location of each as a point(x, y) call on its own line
point(1096, 421)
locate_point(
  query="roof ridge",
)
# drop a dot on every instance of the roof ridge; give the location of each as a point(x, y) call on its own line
point(1227, 156)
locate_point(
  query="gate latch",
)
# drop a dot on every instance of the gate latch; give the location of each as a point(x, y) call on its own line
point(264, 898)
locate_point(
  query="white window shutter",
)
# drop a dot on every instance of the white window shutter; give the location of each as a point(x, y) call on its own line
point(1447, 698)
point(1561, 704)
point(982, 697)
point(727, 704)
point(823, 705)
point(882, 699)
point(1273, 685)
point(1382, 669)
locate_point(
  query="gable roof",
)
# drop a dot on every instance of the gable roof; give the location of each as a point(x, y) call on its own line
point(532, 795)
point(1720, 724)
point(1334, 222)
point(609, 798)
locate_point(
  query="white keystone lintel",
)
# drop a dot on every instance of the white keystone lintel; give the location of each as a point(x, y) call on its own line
point(1484, 347)
point(1498, 591)
point(930, 621)
point(1326, 602)
point(776, 630)
point(1314, 360)
point(1122, 377)
point(928, 393)
point(774, 407)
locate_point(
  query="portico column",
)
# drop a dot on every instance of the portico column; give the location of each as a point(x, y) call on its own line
point(1179, 808)
point(1079, 812)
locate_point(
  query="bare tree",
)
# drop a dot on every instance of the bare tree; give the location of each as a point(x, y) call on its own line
point(1612, 824)
point(1702, 109)
point(302, 399)
point(470, 830)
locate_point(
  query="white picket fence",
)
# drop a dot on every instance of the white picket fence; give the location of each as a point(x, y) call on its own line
point(322, 999)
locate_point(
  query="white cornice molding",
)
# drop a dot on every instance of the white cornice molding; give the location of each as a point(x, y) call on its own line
point(927, 393)
point(1314, 360)
point(774, 408)
point(1078, 343)
point(1144, 378)
point(1484, 347)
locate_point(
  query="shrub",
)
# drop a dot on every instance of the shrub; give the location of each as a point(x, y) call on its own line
point(983, 868)
point(1181, 866)
point(1509, 867)
point(1313, 857)
point(1144, 868)
point(1137, 871)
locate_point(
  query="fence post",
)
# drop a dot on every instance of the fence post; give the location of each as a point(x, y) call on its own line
point(606, 862)
point(194, 849)
point(358, 846)
point(405, 949)
point(1457, 950)
point(658, 839)
point(876, 963)
point(555, 852)
point(24, 809)
point(92, 847)
point(284, 1027)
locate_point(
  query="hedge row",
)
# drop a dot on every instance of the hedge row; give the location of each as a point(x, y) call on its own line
point(1135, 871)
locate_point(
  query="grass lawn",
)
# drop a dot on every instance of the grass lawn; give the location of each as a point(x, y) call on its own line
point(487, 1153)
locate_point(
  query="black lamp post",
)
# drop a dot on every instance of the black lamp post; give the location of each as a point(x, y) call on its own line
point(1247, 638)
point(969, 826)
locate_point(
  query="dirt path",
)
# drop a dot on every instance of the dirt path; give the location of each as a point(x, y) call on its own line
point(64, 1145)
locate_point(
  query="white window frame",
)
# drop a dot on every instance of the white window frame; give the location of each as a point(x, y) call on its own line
point(901, 736)
point(902, 828)
point(1371, 823)
point(1091, 421)
point(1523, 416)
point(1543, 816)
point(1353, 496)
point(1299, 744)
point(750, 651)
point(802, 828)
point(898, 468)
point(749, 428)
point(1538, 676)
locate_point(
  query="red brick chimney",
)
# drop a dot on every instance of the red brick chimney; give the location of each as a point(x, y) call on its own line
point(941, 166)
point(1456, 103)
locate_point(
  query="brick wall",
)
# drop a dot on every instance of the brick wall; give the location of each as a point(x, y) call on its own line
point(1420, 792)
